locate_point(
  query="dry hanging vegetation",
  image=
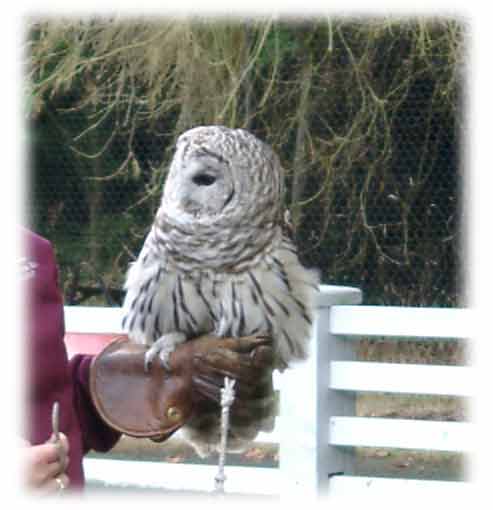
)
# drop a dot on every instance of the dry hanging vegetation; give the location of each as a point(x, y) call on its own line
point(365, 114)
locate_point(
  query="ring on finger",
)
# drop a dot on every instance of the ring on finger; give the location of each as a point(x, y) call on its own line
point(60, 484)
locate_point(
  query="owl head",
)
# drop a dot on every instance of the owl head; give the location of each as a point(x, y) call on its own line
point(223, 174)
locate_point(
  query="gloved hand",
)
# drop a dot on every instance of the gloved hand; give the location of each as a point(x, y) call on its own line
point(247, 360)
point(156, 403)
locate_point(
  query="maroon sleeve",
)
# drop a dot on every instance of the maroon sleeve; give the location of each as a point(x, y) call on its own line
point(96, 434)
point(49, 375)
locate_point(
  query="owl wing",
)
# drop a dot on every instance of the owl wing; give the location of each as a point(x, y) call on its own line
point(290, 291)
point(276, 297)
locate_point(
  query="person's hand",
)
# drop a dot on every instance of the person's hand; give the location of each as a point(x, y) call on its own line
point(45, 465)
point(157, 402)
point(247, 360)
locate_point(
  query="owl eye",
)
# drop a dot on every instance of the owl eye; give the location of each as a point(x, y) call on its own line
point(203, 179)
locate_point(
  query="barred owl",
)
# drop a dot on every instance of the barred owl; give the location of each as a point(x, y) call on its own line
point(216, 259)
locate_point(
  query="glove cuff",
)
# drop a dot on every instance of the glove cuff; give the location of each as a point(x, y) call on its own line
point(150, 404)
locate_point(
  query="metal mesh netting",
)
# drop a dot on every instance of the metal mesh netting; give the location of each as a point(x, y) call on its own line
point(365, 115)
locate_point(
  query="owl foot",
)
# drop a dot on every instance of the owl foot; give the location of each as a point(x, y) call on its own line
point(162, 348)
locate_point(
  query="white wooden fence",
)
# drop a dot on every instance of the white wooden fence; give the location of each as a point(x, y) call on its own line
point(317, 429)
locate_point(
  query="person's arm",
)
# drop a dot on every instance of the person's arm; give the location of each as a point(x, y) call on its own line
point(96, 433)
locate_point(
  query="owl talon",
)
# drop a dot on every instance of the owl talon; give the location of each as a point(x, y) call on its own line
point(149, 357)
point(163, 348)
point(152, 354)
point(164, 356)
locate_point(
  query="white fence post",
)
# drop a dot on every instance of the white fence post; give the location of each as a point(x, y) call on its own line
point(306, 460)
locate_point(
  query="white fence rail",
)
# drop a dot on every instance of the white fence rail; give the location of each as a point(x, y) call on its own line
point(317, 429)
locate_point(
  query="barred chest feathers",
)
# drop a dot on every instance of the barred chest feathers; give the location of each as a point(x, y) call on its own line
point(275, 297)
point(217, 261)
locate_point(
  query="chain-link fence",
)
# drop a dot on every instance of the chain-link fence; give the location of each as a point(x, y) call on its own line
point(365, 115)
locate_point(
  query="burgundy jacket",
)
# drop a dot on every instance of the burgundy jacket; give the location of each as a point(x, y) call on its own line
point(51, 376)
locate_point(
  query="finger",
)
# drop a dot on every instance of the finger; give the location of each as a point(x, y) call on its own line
point(52, 470)
point(249, 343)
point(64, 461)
point(43, 453)
point(65, 480)
point(246, 343)
point(263, 357)
point(206, 389)
point(57, 484)
point(227, 363)
point(210, 388)
point(64, 443)
point(250, 382)
point(222, 363)
point(62, 447)
point(41, 474)
point(61, 443)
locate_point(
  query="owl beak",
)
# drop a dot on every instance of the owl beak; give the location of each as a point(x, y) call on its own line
point(229, 198)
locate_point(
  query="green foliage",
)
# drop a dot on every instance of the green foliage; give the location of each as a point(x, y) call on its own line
point(365, 114)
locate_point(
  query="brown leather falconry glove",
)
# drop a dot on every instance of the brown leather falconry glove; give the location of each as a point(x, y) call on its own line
point(155, 404)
